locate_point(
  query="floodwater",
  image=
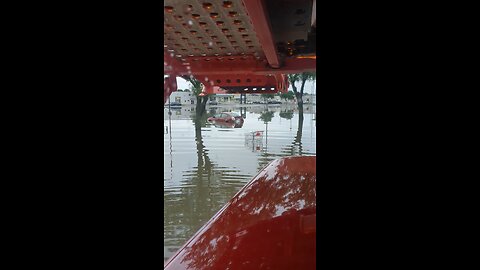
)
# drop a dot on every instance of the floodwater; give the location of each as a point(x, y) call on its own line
point(206, 164)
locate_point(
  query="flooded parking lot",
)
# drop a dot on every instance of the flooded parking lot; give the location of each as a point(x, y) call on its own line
point(206, 163)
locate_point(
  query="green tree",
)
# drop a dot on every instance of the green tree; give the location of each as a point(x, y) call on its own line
point(287, 96)
point(302, 78)
point(266, 116)
point(196, 89)
point(286, 114)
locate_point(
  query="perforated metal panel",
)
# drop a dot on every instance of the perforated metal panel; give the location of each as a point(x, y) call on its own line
point(208, 28)
point(215, 41)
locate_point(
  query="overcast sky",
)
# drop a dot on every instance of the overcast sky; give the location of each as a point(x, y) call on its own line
point(309, 86)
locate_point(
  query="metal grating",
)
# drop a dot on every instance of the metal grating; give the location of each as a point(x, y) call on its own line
point(208, 28)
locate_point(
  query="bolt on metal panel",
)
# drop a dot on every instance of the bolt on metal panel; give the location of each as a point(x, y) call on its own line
point(208, 28)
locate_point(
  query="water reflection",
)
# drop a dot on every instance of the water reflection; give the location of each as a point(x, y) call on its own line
point(295, 148)
point(208, 164)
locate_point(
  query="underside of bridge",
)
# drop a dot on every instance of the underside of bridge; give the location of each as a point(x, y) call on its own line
point(242, 46)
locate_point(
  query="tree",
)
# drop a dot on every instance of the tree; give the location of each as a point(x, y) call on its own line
point(287, 96)
point(286, 114)
point(197, 88)
point(302, 78)
point(266, 116)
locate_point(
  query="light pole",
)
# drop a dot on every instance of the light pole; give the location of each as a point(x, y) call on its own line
point(170, 133)
point(266, 134)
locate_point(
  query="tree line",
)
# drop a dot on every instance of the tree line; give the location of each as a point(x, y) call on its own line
point(297, 93)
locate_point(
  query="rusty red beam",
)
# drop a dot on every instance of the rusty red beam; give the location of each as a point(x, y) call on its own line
point(241, 90)
point(259, 84)
point(258, 14)
point(202, 67)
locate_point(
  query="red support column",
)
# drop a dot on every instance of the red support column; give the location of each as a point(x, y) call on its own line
point(233, 67)
point(261, 23)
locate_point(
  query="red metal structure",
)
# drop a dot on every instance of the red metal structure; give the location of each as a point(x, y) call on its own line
point(248, 46)
point(242, 46)
point(269, 224)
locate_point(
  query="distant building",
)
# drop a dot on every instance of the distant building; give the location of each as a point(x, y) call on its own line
point(309, 99)
point(251, 98)
point(225, 98)
point(254, 98)
point(184, 98)
point(178, 113)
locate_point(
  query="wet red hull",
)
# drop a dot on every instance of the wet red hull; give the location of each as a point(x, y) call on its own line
point(269, 224)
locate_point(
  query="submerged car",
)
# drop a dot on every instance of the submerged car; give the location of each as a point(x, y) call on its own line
point(174, 104)
point(227, 125)
point(269, 224)
point(227, 119)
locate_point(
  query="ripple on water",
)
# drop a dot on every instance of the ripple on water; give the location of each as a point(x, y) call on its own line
point(203, 170)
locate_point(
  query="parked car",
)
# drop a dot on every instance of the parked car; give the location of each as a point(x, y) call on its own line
point(212, 102)
point(227, 119)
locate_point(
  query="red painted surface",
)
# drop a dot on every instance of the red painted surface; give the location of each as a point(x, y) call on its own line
point(261, 23)
point(244, 83)
point(282, 82)
point(263, 67)
point(269, 224)
point(237, 65)
point(171, 66)
point(169, 86)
